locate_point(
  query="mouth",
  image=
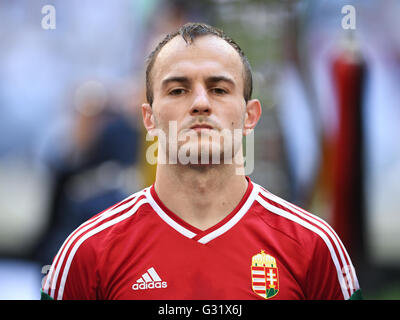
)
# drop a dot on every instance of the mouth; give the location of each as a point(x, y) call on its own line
point(201, 127)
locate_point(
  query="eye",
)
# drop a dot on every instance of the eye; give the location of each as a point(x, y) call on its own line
point(219, 91)
point(177, 92)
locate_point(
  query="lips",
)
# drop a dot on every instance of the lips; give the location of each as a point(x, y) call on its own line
point(203, 126)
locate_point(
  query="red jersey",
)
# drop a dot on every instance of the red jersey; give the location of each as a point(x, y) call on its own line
point(266, 248)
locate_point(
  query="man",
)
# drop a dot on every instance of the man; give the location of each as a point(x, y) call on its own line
point(203, 230)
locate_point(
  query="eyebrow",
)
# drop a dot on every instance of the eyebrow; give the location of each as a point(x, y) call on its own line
point(215, 79)
point(183, 80)
point(186, 80)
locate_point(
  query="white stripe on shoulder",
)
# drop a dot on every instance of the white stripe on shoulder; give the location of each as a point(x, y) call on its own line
point(346, 267)
point(53, 272)
point(90, 233)
point(316, 230)
point(128, 199)
point(52, 276)
point(349, 269)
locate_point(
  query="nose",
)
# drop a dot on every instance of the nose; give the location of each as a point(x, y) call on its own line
point(201, 103)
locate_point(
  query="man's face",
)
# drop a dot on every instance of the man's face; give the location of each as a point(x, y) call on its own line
point(198, 88)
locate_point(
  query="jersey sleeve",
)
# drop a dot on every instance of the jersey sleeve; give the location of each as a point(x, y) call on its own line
point(73, 274)
point(331, 275)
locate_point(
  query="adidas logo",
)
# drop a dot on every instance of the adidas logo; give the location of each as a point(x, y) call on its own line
point(149, 280)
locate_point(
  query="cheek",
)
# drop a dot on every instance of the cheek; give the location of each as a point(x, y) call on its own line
point(162, 115)
point(166, 117)
point(233, 114)
point(169, 110)
point(236, 119)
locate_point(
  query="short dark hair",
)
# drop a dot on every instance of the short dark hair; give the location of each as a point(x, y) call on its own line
point(189, 32)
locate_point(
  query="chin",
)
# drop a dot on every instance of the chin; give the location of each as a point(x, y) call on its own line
point(203, 154)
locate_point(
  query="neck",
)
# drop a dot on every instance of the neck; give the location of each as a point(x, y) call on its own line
point(200, 195)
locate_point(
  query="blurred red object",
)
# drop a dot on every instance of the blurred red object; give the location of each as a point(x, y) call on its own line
point(349, 71)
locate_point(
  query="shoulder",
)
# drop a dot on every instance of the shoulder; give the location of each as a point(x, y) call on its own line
point(314, 234)
point(102, 225)
point(291, 219)
point(113, 217)
point(309, 230)
point(82, 249)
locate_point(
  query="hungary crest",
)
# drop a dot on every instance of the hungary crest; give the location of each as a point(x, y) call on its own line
point(264, 275)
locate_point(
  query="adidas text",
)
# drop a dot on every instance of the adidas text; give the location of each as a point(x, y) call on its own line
point(150, 285)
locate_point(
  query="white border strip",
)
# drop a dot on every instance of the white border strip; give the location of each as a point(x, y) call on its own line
point(88, 235)
point(307, 225)
point(298, 210)
point(167, 219)
point(50, 284)
point(323, 225)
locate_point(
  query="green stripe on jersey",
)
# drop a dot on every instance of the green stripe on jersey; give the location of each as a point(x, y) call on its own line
point(356, 295)
point(45, 296)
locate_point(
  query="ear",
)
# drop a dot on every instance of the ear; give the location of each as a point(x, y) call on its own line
point(148, 118)
point(253, 114)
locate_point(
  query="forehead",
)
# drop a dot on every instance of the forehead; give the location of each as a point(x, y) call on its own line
point(206, 55)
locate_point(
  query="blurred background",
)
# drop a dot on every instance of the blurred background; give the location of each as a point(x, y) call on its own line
point(72, 142)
